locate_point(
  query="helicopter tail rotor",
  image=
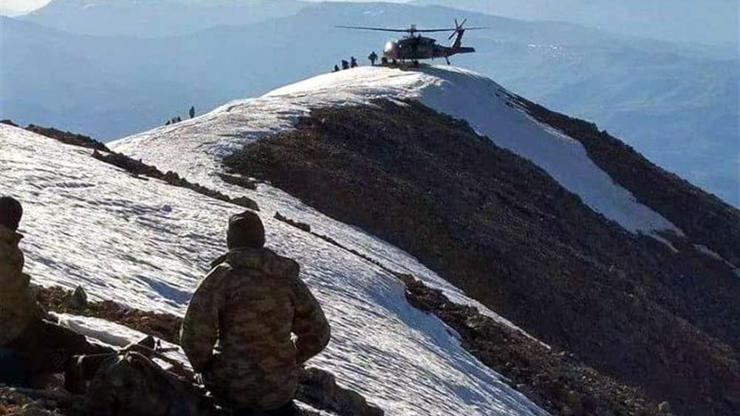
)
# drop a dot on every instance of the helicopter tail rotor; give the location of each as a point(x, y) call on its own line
point(459, 29)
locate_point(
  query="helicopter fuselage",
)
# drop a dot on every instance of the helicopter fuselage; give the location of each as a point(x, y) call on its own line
point(419, 47)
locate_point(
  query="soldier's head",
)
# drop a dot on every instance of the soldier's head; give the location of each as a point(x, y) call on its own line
point(11, 212)
point(245, 231)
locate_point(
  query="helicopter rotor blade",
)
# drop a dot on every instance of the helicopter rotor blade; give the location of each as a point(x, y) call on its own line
point(382, 29)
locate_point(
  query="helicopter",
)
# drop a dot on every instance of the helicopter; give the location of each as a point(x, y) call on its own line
point(414, 46)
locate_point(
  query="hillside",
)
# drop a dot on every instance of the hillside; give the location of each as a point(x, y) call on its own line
point(544, 219)
point(146, 244)
point(677, 105)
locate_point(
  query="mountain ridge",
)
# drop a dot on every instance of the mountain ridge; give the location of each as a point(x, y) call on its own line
point(680, 108)
point(610, 282)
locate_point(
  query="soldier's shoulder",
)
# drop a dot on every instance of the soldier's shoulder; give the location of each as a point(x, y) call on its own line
point(283, 265)
point(217, 273)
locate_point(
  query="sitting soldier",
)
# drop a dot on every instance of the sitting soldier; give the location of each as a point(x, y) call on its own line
point(251, 303)
point(32, 346)
point(18, 307)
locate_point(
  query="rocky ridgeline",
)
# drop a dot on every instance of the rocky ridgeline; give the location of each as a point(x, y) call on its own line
point(138, 168)
point(64, 136)
point(497, 226)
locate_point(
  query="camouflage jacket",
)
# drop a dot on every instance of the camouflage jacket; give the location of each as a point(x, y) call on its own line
point(251, 303)
point(18, 305)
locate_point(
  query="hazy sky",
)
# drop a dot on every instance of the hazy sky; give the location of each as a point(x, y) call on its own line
point(19, 6)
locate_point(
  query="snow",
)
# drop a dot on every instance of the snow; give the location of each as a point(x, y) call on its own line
point(147, 244)
point(716, 256)
point(463, 94)
point(116, 335)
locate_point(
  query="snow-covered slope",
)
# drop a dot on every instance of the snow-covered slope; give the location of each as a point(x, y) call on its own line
point(457, 92)
point(147, 244)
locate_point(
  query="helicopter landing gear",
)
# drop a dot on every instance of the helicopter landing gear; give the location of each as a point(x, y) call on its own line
point(447, 58)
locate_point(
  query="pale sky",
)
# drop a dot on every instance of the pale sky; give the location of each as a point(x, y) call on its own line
point(20, 6)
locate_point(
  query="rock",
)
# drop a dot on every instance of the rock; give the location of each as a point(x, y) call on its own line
point(319, 388)
point(34, 409)
point(79, 298)
point(300, 225)
point(664, 408)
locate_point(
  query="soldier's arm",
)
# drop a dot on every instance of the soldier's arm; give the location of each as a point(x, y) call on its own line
point(200, 326)
point(309, 323)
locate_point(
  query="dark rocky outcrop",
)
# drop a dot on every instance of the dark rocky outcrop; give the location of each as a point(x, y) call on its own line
point(137, 167)
point(68, 137)
point(501, 229)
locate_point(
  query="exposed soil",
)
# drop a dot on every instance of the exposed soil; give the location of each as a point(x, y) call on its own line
point(501, 229)
point(555, 380)
point(705, 218)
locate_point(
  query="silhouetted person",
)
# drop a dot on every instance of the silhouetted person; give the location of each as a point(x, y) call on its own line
point(353, 63)
point(336, 68)
point(192, 111)
point(168, 122)
point(178, 119)
point(345, 64)
point(372, 58)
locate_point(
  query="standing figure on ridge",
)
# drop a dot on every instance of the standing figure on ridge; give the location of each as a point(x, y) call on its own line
point(192, 111)
point(345, 64)
point(239, 325)
point(372, 58)
point(353, 63)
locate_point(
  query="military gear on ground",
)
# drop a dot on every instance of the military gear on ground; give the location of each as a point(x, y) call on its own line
point(132, 384)
point(18, 307)
point(49, 348)
point(250, 304)
point(245, 230)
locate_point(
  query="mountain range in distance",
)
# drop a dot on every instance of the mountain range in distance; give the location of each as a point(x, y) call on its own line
point(675, 103)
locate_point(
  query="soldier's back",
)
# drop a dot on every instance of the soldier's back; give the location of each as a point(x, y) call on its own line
point(256, 361)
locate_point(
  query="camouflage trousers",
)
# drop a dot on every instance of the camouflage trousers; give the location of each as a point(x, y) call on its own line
point(46, 348)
